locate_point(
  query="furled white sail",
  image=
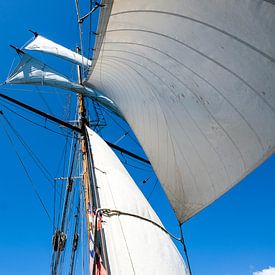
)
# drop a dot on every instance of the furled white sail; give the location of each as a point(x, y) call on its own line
point(196, 82)
point(43, 44)
point(127, 254)
point(32, 71)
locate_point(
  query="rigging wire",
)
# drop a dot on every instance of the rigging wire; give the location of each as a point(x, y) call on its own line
point(121, 138)
point(55, 90)
point(36, 160)
point(82, 203)
point(35, 123)
point(131, 165)
point(65, 209)
point(111, 212)
point(31, 90)
point(11, 67)
point(63, 158)
point(44, 100)
point(75, 240)
point(64, 166)
point(33, 156)
point(38, 163)
point(153, 189)
point(30, 180)
point(185, 250)
point(108, 113)
point(90, 31)
point(54, 204)
point(80, 34)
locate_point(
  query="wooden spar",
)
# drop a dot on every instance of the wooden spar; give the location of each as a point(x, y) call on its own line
point(86, 179)
point(89, 180)
point(68, 125)
point(41, 113)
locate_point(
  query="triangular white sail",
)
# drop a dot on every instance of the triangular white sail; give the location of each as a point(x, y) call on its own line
point(195, 80)
point(32, 71)
point(43, 44)
point(134, 246)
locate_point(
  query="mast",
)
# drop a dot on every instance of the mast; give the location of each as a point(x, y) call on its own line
point(89, 181)
point(82, 120)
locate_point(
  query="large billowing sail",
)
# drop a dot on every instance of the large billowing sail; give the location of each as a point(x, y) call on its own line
point(32, 71)
point(196, 82)
point(43, 44)
point(127, 254)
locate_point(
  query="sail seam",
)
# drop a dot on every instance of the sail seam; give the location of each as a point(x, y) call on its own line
point(267, 56)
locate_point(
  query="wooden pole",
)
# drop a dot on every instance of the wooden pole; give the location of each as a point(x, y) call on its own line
point(82, 123)
point(89, 194)
point(86, 179)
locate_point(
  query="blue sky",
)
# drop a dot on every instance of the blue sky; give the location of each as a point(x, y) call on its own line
point(235, 235)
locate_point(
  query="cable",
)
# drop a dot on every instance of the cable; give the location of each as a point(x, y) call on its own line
point(37, 124)
point(65, 210)
point(108, 113)
point(36, 160)
point(80, 33)
point(31, 90)
point(153, 189)
point(134, 166)
point(111, 212)
point(27, 173)
point(185, 250)
point(75, 240)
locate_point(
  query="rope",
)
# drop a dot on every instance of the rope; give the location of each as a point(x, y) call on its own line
point(131, 165)
point(80, 34)
point(108, 113)
point(31, 90)
point(54, 204)
point(185, 251)
point(90, 52)
point(37, 124)
point(110, 212)
point(65, 212)
point(122, 137)
point(74, 248)
point(27, 173)
point(36, 160)
point(10, 69)
point(153, 189)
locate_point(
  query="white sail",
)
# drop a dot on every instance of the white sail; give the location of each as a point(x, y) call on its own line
point(134, 246)
point(43, 44)
point(195, 80)
point(32, 71)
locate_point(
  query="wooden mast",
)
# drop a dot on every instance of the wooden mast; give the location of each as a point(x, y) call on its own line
point(90, 194)
point(82, 123)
